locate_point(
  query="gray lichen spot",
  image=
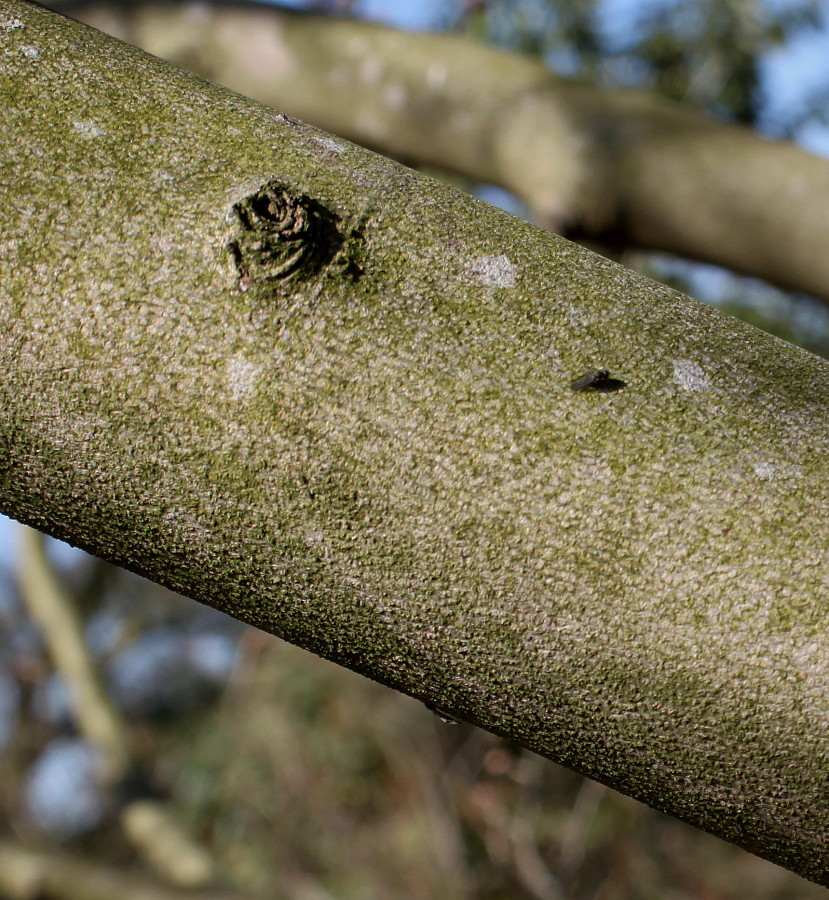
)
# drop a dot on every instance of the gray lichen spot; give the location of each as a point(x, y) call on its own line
point(280, 234)
point(88, 129)
point(328, 143)
point(495, 270)
point(10, 23)
point(241, 375)
point(765, 470)
point(690, 376)
point(313, 538)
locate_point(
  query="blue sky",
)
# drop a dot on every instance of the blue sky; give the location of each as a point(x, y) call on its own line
point(414, 14)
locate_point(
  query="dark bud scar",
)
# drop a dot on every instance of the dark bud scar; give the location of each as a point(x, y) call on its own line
point(597, 380)
point(281, 234)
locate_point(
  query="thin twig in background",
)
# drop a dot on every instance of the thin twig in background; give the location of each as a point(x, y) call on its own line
point(147, 823)
point(27, 874)
point(51, 606)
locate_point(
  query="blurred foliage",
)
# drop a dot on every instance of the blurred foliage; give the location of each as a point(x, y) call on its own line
point(705, 53)
point(310, 772)
point(795, 318)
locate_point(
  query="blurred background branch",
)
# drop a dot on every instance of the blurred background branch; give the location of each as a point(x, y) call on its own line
point(53, 608)
point(619, 168)
point(28, 874)
point(148, 824)
point(755, 64)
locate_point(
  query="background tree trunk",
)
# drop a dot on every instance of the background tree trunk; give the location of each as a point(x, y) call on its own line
point(332, 397)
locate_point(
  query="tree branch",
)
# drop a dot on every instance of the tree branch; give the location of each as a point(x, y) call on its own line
point(331, 396)
point(606, 165)
point(51, 607)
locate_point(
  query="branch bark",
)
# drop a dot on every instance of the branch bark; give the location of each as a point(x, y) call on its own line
point(331, 397)
point(607, 165)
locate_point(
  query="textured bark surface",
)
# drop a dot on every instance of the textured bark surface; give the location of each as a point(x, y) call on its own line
point(332, 397)
point(623, 166)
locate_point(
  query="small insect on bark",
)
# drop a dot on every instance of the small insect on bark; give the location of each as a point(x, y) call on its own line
point(590, 380)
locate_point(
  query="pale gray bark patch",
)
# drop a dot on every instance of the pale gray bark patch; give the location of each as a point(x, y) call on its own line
point(764, 470)
point(495, 270)
point(690, 376)
point(89, 129)
point(329, 143)
point(242, 375)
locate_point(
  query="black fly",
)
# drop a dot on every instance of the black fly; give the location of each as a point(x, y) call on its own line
point(597, 380)
point(590, 379)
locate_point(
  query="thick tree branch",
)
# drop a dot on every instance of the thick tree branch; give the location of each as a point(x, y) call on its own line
point(608, 165)
point(330, 396)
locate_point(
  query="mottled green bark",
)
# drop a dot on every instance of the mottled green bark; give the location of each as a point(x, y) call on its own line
point(363, 439)
point(627, 166)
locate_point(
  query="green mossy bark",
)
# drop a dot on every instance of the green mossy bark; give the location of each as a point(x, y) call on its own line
point(618, 165)
point(384, 462)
